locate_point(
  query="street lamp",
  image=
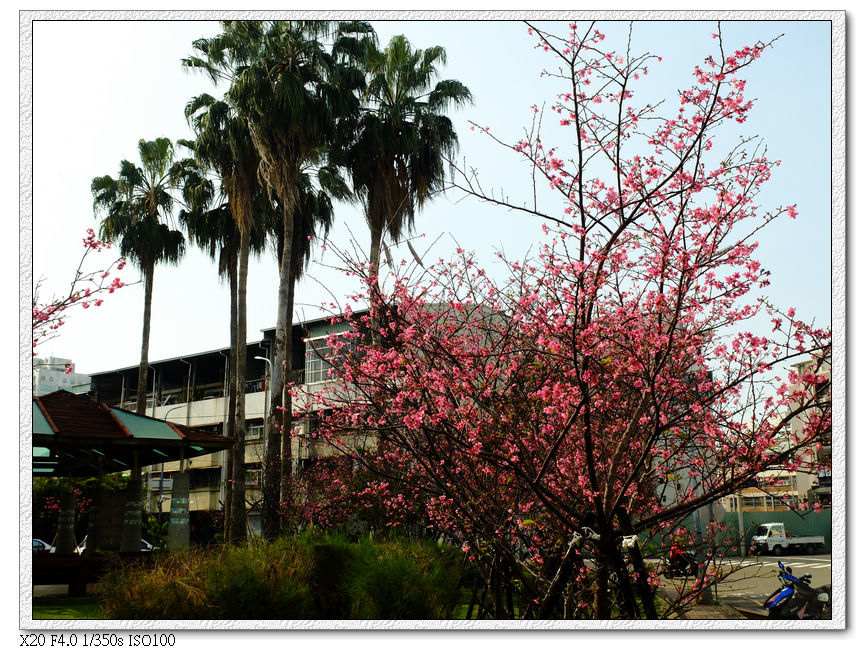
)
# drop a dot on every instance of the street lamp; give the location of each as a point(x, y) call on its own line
point(173, 408)
point(162, 464)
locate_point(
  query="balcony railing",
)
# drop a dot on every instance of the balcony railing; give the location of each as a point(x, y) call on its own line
point(254, 386)
point(211, 391)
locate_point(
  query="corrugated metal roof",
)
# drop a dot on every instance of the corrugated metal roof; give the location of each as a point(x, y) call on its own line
point(324, 320)
point(143, 427)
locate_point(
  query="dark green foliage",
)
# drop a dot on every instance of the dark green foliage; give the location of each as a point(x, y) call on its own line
point(330, 562)
point(155, 531)
point(402, 581)
point(309, 576)
point(259, 581)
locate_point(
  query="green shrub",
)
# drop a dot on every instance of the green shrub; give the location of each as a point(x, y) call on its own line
point(398, 580)
point(308, 576)
point(259, 581)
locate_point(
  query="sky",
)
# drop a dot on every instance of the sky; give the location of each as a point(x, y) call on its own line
point(100, 86)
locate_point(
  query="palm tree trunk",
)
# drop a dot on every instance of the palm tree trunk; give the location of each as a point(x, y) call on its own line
point(141, 395)
point(374, 287)
point(232, 399)
point(280, 421)
point(270, 525)
point(270, 515)
point(278, 465)
point(238, 528)
point(286, 460)
point(375, 234)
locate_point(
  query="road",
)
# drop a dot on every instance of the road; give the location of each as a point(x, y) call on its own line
point(755, 578)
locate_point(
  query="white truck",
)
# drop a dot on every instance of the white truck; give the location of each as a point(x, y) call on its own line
point(774, 538)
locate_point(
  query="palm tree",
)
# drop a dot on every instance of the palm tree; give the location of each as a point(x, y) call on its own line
point(210, 226)
point(136, 206)
point(396, 159)
point(313, 218)
point(293, 95)
point(223, 144)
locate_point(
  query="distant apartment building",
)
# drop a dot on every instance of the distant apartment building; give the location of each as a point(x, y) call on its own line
point(192, 390)
point(778, 489)
point(55, 373)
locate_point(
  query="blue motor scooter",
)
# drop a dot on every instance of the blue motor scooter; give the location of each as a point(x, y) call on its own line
point(797, 599)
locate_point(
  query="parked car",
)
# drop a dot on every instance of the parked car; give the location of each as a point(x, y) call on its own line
point(145, 546)
point(42, 547)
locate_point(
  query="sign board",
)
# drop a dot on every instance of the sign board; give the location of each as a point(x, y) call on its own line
point(153, 484)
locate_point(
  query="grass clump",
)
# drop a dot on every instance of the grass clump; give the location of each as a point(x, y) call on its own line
point(57, 608)
point(308, 576)
point(399, 581)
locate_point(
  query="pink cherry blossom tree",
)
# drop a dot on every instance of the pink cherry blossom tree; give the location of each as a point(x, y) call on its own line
point(88, 288)
point(618, 380)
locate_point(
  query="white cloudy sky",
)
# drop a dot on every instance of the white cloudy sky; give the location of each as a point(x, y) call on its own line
point(99, 86)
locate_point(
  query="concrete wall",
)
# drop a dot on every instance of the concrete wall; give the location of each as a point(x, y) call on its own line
point(807, 523)
point(798, 523)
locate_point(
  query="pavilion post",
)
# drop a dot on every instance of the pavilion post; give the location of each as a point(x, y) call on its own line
point(130, 534)
point(178, 522)
point(94, 522)
point(66, 524)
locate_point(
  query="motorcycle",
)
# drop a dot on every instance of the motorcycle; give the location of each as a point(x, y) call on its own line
point(681, 564)
point(797, 599)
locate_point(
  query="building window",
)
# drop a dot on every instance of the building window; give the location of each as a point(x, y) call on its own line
point(822, 386)
point(320, 359)
point(204, 478)
point(313, 422)
point(254, 431)
point(253, 476)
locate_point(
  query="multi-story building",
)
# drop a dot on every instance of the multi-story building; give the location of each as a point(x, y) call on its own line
point(816, 483)
point(192, 390)
point(779, 489)
point(54, 373)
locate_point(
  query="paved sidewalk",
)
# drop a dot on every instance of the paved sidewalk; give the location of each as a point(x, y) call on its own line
point(735, 608)
point(713, 612)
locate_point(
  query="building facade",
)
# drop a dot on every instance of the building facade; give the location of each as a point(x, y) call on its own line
point(778, 490)
point(193, 389)
point(55, 373)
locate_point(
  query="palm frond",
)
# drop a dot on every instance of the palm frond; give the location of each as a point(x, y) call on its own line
point(134, 205)
point(449, 93)
point(396, 157)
